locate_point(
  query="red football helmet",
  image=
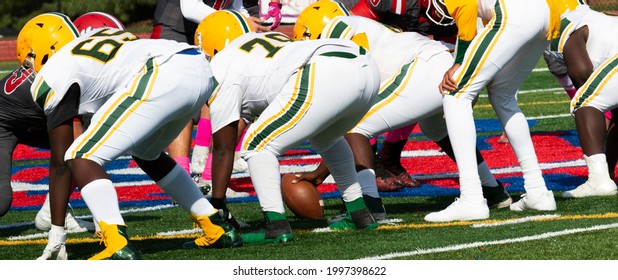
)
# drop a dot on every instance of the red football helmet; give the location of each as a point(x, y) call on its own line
point(94, 20)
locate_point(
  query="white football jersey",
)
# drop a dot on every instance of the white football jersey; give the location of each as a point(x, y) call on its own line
point(103, 60)
point(602, 41)
point(253, 69)
point(390, 49)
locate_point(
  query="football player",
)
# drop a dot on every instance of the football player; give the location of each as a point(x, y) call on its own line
point(498, 57)
point(314, 90)
point(408, 93)
point(590, 51)
point(177, 20)
point(23, 122)
point(129, 87)
point(405, 15)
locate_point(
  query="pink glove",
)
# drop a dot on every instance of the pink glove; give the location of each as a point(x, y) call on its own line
point(274, 11)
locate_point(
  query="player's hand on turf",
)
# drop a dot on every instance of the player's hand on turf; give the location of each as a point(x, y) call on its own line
point(258, 25)
point(54, 251)
point(448, 83)
point(312, 177)
point(274, 11)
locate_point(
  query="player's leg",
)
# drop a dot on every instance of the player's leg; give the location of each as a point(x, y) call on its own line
point(597, 95)
point(180, 147)
point(345, 110)
point(8, 142)
point(493, 47)
point(389, 170)
point(502, 96)
point(435, 129)
point(611, 149)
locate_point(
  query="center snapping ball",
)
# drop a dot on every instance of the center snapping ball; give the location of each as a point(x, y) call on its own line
point(303, 198)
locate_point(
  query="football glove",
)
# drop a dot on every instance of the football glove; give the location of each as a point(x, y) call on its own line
point(555, 63)
point(55, 249)
point(274, 11)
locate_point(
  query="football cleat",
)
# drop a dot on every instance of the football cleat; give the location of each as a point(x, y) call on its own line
point(598, 184)
point(117, 244)
point(497, 197)
point(359, 219)
point(276, 229)
point(217, 233)
point(374, 204)
point(461, 210)
point(42, 220)
point(543, 202)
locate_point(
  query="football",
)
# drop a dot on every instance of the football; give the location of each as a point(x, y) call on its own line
point(302, 198)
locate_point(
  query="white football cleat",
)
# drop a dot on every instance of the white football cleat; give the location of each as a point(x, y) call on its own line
point(42, 221)
point(461, 210)
point(71, 224)
point(607, 188)
point(199, 156)
point(55, 249)
point(598, 184)
point(543, 202)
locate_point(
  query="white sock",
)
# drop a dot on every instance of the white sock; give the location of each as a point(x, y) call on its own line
point(340, 161)
point(367, 180)
point(533, 176)
point(57, 229)
point(102, 200)
point(487, 178)
point(266, 178)
point(460, 125)
point(598, 158)
point(182, 189)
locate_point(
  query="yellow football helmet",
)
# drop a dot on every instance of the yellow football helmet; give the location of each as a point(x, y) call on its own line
point(41, 37)
point(220, 28)
point(312, 19)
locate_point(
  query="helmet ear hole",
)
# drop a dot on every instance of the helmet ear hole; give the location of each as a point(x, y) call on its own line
point(220, 28)
point(42, 36)
point(314, 17)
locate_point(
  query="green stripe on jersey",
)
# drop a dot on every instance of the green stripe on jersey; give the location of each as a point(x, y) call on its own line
point(597, 80)
point(482, 49)
point(297, 104)
point(110, 121)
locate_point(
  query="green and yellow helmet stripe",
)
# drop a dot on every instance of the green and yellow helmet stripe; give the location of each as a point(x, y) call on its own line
point(118, 112)
point(343, 8)
point(241, 20)
point(289, 116)
point(66, 20)
point(481, 50)
point(339, 29)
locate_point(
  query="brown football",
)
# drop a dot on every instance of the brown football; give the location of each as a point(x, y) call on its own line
point(303, 198)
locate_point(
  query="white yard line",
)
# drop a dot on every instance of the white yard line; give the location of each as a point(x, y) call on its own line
point(486, 243)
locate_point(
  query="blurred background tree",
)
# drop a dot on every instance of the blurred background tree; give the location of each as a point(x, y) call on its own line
point(135, 14)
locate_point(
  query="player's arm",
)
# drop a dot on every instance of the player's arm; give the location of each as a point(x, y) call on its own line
point(225, 105)
point(576, 57)
point(60, 131)
point(316, 176)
